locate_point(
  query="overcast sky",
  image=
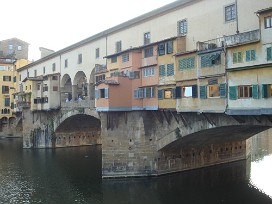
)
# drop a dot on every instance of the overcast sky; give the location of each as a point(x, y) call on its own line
point(55, 24)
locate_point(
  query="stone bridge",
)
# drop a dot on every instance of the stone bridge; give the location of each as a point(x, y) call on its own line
point(141, 143)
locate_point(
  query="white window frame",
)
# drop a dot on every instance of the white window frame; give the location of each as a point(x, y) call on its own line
point(184, 25)
point(233, 13)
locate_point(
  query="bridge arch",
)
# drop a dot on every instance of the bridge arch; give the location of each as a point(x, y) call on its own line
point(66, 88)
point(77, 127)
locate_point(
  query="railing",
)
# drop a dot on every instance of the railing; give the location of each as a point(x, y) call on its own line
point(148, 61)
point(210, 44)
point(100, 68)
point(23, 104)
point(79, 104)
point(242, 38)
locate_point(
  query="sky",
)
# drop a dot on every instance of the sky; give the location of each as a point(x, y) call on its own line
point(56, 24)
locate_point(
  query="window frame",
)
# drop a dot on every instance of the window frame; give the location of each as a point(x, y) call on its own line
point(97, 53)
point(182, 27)
point(230, 15)
point(147, 38)
point(245, 91)
point(148, 52)
point(118, 46)
point(211, 95)
point(268, 20)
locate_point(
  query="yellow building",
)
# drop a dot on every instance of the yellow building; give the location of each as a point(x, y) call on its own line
point(7, 89)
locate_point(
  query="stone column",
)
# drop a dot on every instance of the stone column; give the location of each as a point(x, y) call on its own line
point(91, 94)
point(74, 92)
point(63, 96)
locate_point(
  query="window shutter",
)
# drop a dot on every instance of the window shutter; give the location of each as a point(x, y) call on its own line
point(223, 92)
point(253, 55)
point(240, 57)
point(169, 47)
point(7, 102)
point(233, 92)
point(160, 94)
point(3, 89)
point(203, 92)
point(106, 93)
point(14, 79)
point(96, 93)
point(234, 56)
point(248, 55)
point(161, 49)
point(131, 75)
point(178, 92)
point(135, 93)
point(269, 53)
point(194, 91)
point(12, 105)
point(9, 78)
point(264, 90)
point(162, 70)
point(141, 93)
point(174, 92)
point(255, 91)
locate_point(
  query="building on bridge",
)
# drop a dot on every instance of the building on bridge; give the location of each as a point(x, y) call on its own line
point(167, 86)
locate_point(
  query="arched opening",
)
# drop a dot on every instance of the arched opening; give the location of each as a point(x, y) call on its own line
point(78, 130)
point(66, 88)
point(80, 86)
point(91, 91)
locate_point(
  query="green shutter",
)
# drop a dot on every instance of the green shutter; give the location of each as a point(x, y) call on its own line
point(14, 79)
point(162, 70)
point(160, 94)
point(233, 92)
point(178, 92)
point(7, 102)
point(3, 89)
point(12, 105)
point(240, 57)
point(222, 89)
point(234, 58)
point(203, 92)
point(248, 55)
point(255, 91)
point(269, 53)
point(194, 91)
point(253, 55)
point(264, 90)
point(174, 92)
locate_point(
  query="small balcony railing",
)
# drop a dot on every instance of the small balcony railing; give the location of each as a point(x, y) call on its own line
point(211, 44)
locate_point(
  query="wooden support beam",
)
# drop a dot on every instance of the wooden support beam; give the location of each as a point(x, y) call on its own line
point(157, 116)
point(184, 121)
point(172, 113)
point(238, 119)
point(257, 119)
point(208, 119)
point(166, 117)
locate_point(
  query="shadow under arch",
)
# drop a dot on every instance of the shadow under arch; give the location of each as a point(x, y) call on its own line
point(78, 130)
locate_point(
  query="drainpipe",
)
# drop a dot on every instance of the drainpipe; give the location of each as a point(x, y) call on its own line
point(237, 22)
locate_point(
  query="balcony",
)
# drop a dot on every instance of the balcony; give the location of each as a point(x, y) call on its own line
point(242, 38)
point(23, 104)
point(149, 61)
point(100, 68)
point(211, 44)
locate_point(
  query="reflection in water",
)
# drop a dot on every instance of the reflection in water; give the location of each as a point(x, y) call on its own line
point(73, 175)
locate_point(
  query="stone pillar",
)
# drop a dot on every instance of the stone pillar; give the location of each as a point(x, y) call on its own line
point(63, 96)
point(74, 92)
point(90, 89)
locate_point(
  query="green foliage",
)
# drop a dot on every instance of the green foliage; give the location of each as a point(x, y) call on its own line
point(177, 132)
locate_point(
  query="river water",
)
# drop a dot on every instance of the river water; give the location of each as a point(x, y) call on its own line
point(73, 175)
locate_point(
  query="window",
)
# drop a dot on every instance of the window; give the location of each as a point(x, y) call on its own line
point(6, 78)
point(102, 93)
point(134, 74)
point(148, 72)
point(125, 57)
point(38, 87)
point(7, 102)
point(268, 22)
point(266, 90)
point(148, 52)
point(162, 70)
point(250, 55)
point(214, 91)
point(100, 78)
point(182, 27)
point(5, 89)
point(170, 69)
point(54, 78)
point(211, 59)
point(19, 47)
point(35, 73)
point(188, 91)
point(10, 47)
point(187, 63)
point(161, 49)
point(237, 57)
point(118, 46)
point(30, 87)
point(65, 63)
point(97, 53)
point(43, 70)
point(55, 88)
point(269, 53)
point(45, 88)
point(245, 91)
point(230, 12)
point(79, 59)
point(147, 38)
point(54, 67)
point(169, 46)
point(168, 93)
point(114, 59)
